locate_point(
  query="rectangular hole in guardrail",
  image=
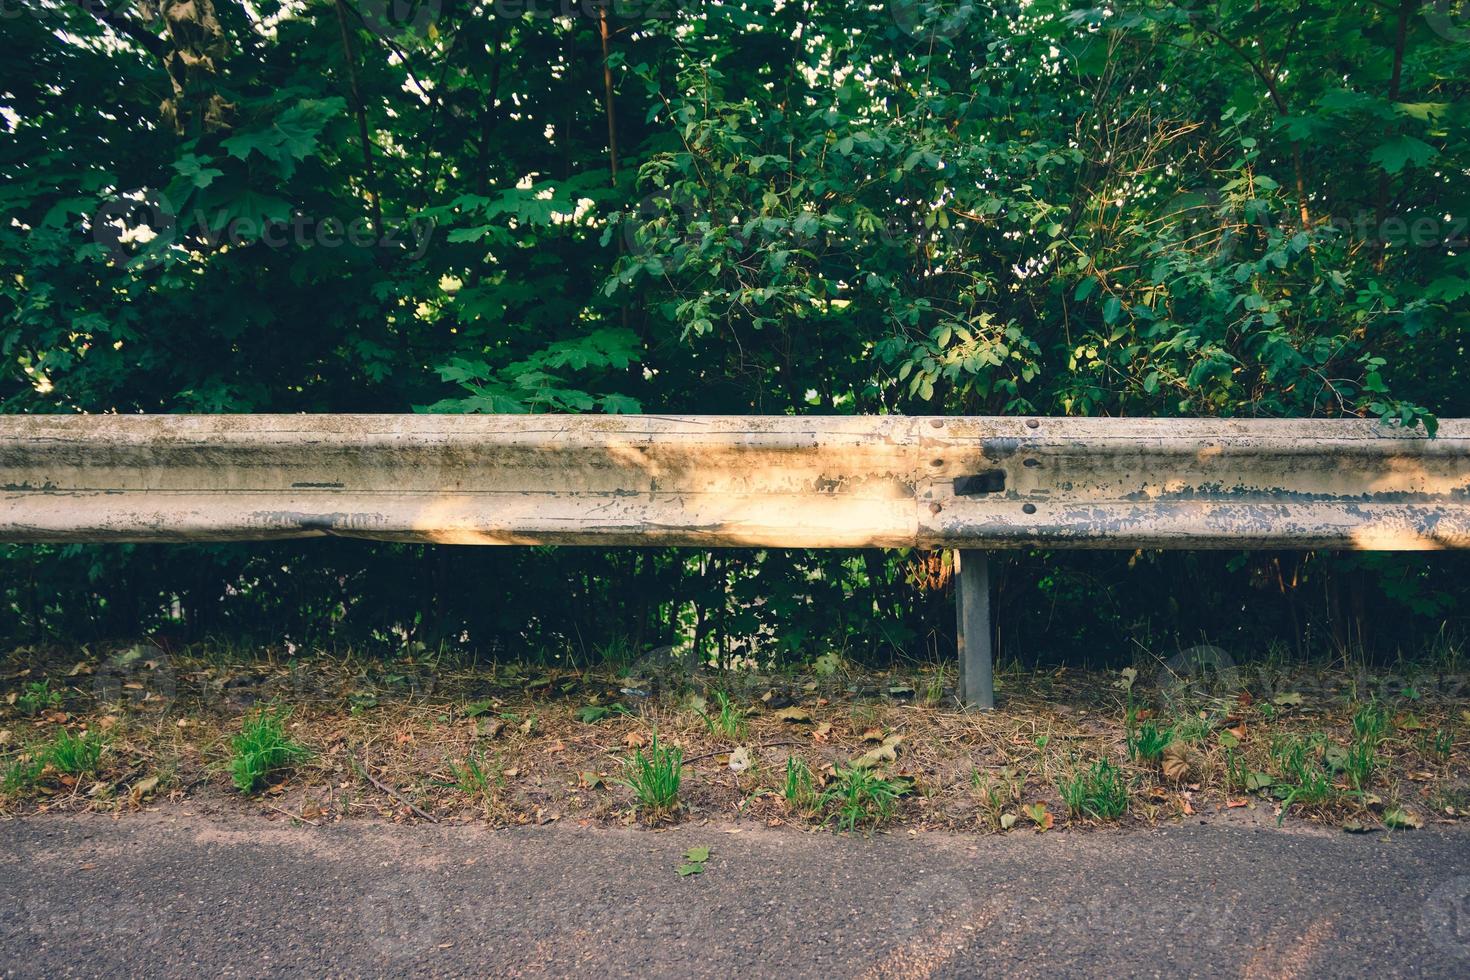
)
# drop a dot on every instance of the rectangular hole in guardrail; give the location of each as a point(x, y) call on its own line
point(991, 481)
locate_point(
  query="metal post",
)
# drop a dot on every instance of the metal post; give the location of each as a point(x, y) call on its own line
point(972, 621)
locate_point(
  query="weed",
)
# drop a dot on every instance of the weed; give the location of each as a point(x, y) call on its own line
point(934, 691)
point(1437, 744)
point(74, 755)
point(654, 777)
point(996, 794)
point(21, 774)
point(729, 721)
point(261, 748)
point(1100, 792)
point(37, 697)
point(1147, 742)
point(800, 790)
point(1301, 776)
point(1370, 726)
point(475, 779)
point(862, 796)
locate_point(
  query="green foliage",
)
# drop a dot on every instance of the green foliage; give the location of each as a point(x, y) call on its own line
point(727, 721)
point(21, 772)
point(1100, 792)
point(475, 778)
point(832, 208)
point(859, 795)
point(1370, 727)
point(74, 755)
point(37, 697)
point(262, 748)
point(1147, 742)
point(654, 777)
point(799, 790)
point(1301, 774)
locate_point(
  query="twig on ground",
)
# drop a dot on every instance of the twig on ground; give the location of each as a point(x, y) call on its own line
point(293, 816)
point(362, 771)
point(752, 748)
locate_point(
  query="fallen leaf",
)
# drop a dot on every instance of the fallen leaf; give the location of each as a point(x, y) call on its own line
point(1402, 820)
point(887, 752)
point(635, 740)
point(697, 855)
point(1356, 827)
point(1043, 820)
point(1188, 808)
point(142, 788)
point(81, 668)
point(1236, 804)
point(1178, 762)
point(873, 735)
point(820, 733)
point(739, 760)
point(528, 724)
point(1288, 699)
point(795, 715)
point(1258, 781)
point(589, 780)
point(1007, 821)
point(6, 737)
point(477, 709)
point(555, 747)
point(89, 866)
point(492, 728)
point(685, 870)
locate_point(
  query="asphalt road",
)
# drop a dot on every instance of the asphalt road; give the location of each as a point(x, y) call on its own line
point(176, 894)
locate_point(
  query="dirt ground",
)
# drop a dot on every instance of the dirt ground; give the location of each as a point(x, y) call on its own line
point(418, 739)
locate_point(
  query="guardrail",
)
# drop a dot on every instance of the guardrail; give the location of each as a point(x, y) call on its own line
point(790, 482)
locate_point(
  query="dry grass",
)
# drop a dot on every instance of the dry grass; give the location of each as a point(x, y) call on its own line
point(513, 745)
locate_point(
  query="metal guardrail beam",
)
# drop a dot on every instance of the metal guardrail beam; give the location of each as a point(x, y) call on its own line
point(790, 482)
point(794, 482)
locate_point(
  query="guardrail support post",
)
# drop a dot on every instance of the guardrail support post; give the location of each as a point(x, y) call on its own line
point(972, 621)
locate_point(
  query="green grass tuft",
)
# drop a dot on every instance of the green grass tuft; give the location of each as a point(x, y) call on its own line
point(654, 777)
point(861, 796)
point(74, 755)
point(1100, 792)
point(261, 748)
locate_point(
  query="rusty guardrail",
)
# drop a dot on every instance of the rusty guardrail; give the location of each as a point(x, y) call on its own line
point(809, 482)
point(790, 482)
